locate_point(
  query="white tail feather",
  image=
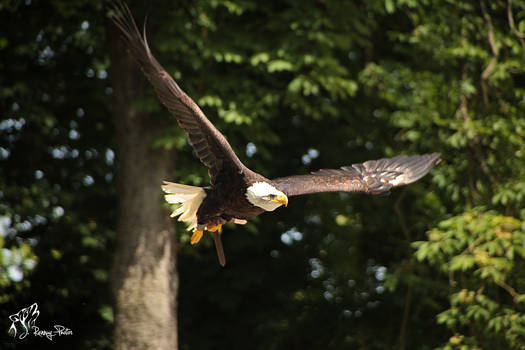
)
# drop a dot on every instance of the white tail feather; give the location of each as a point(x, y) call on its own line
point(191, 198)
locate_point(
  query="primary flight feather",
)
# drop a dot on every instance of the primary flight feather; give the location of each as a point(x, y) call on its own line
point(236, 193)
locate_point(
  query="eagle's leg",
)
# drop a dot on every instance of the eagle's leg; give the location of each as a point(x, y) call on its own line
point(215, 229)
point(220, 249)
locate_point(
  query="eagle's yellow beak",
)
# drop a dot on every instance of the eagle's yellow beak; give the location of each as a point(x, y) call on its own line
point(281, 199)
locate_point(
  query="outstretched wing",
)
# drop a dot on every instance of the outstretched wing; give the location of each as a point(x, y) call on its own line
point(373, 176)
point(210, 145)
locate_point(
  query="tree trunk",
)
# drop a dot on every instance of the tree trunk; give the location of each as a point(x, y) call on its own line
point(144, 275)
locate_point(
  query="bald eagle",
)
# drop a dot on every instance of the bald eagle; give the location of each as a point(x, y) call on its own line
point(236, 193)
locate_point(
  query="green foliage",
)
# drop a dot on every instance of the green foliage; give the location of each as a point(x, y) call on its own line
point(467, 95)
point(483, 254)
point(56, 169)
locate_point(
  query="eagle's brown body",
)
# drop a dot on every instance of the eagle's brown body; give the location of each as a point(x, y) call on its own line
point(226, 201)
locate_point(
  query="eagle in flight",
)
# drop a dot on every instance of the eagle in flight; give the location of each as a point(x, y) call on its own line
point(236, 193)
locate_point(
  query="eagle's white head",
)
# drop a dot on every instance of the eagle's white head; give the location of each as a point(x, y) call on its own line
point(266, 196)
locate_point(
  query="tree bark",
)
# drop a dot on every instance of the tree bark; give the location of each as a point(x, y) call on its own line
point(144, 275)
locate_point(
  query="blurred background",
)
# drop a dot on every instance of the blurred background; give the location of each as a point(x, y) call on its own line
point(295, 86)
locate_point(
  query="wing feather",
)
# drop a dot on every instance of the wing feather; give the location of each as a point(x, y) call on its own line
point(210, 145)
point(373, 176)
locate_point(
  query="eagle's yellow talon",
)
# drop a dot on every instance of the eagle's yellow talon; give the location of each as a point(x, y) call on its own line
point(196, 236)
point(214, 228)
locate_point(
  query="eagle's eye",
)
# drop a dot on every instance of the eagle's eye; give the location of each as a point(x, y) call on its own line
point(269, 197)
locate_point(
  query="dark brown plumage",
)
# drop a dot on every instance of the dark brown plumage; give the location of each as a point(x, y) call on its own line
point(373, 176)
point(236, 193)
point(210, 145)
